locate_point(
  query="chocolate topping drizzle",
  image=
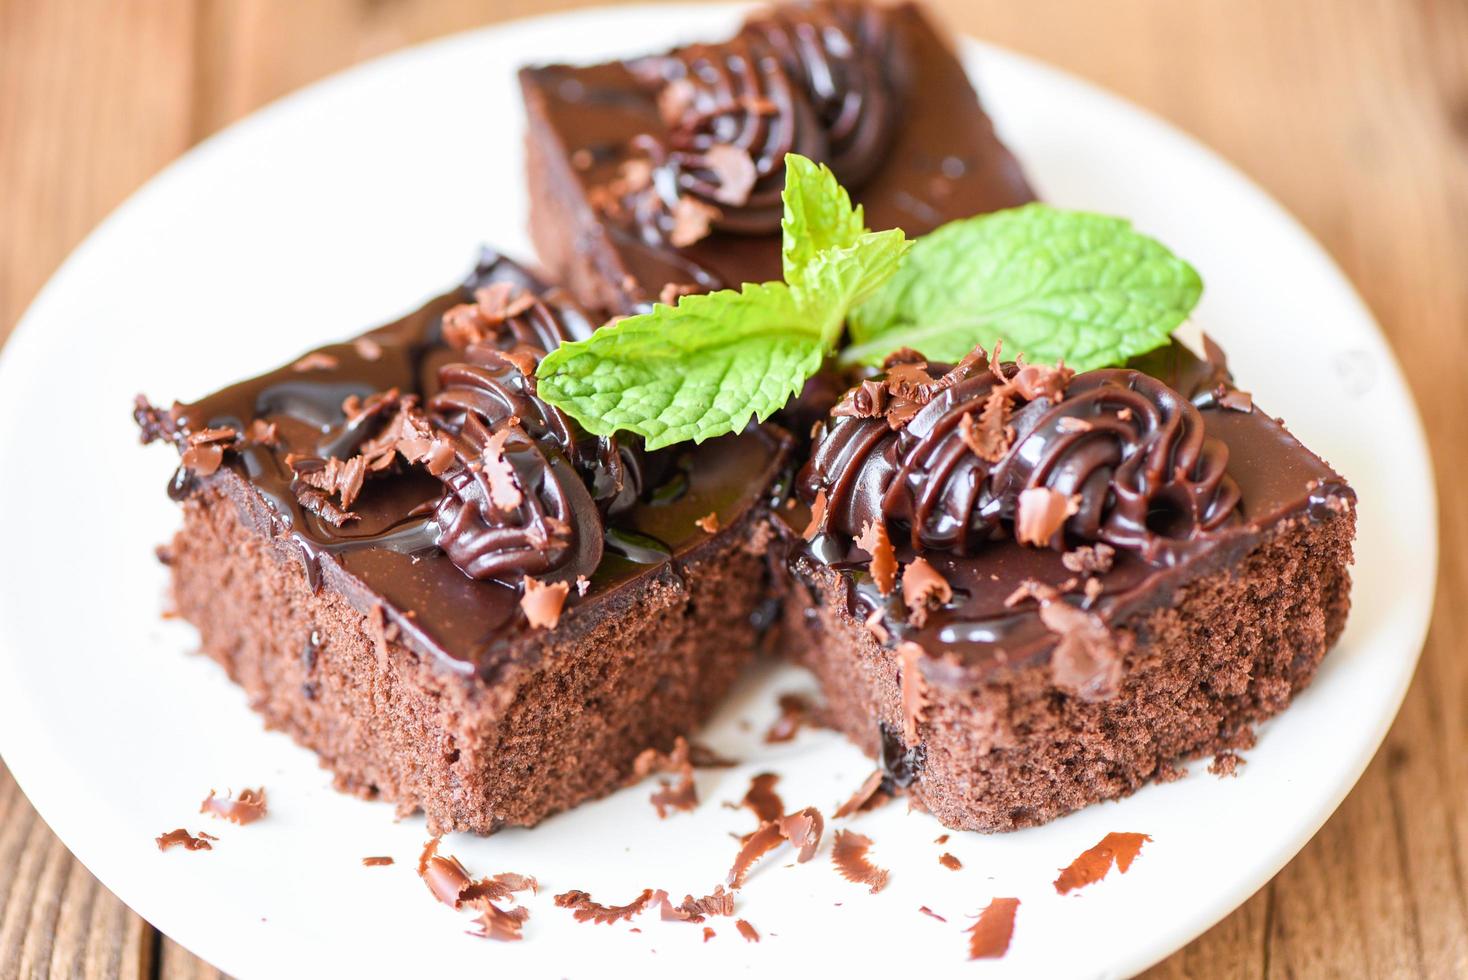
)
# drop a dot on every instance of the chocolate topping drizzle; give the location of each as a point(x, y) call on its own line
point(946, 456)
point(822, 79)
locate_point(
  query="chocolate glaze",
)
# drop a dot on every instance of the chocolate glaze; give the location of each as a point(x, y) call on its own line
point(387, 556)
point(881, 90)
point(977, 633)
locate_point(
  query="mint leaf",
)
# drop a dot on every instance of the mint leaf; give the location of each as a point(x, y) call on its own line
point(818, 216)
point(705, 367)
point(1051, 284)
point(694, 371)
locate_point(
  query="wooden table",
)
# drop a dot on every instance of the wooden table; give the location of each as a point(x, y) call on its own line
point(1354, 113)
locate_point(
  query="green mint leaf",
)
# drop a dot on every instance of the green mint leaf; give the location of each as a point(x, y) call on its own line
point(830, 260)
point(818, 217)
point(694, 371)
point(1051, 284)
point(706, 366)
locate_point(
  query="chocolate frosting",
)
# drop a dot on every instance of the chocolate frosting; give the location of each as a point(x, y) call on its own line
point(944, 454)
point(426, 392)
point(822, 79)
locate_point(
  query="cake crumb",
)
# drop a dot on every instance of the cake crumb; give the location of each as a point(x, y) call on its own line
point(1226, 763)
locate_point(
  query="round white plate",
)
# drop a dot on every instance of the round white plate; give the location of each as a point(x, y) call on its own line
point(334, 209)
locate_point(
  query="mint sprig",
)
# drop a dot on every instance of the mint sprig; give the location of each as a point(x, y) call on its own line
point(1053, 284)
point(703, 368)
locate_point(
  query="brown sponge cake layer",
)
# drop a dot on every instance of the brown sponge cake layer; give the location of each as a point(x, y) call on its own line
point(390, 722)
point(1015, 751)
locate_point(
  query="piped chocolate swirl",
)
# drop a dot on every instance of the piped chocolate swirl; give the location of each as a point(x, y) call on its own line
point(956, 457)
point(822, 79)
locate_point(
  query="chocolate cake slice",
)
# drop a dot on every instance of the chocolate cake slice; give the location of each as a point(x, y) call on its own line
point(1027, 591)
point(458, 598)
point(659, 176)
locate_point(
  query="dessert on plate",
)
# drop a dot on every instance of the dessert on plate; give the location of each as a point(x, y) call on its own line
point(483, 557)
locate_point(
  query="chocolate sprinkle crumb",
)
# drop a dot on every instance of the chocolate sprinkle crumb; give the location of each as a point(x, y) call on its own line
point(849, 854)
point(246, 808)
point(377, 862)
point(749, 932)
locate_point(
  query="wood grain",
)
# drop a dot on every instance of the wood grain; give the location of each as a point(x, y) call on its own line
point(1354, 114)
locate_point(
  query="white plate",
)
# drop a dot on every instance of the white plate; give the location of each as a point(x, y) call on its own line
point(338, 206)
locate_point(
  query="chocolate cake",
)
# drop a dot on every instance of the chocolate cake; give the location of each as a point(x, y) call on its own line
point(658, 176)
point(354, 554)
point(1027, 591)
point(1022, 589)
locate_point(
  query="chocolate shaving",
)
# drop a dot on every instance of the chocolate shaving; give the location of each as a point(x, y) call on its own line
point(1040, 513)
point(733, 170)
point(498, 887)
point(377, 862)
point(332, 476)
point(691, 909)
point(989, 937)
point(1094, 864)
point(316, 361)
point(803, 830)
point(692, 220)
point(682, 795)
point(761, 798)
point(263, 433)
point(707, 934)
point(923, 588)
point(445, 876)
point(505, 925)
point(950, 862)
point(914, 689)
point(874, 626)
point(1236, 400)
point(817, 517)
point(182, 838)
point(708, 523)
point(542, 603)
point(849, 854)
point(796, 710)
point(749, 932)
point(865, 797)
point(586, 910)
point(246, 808)
point(202, 460)
point(673, 291)
point(367, 348)
point(993, 436)
point(1086, 660)
point(1089, 559)
point(927, 911)
point(504, 488)
point(874, 541)
point(756, 845)
point(1070, 423)
point(704, 757)
point(941, 839)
